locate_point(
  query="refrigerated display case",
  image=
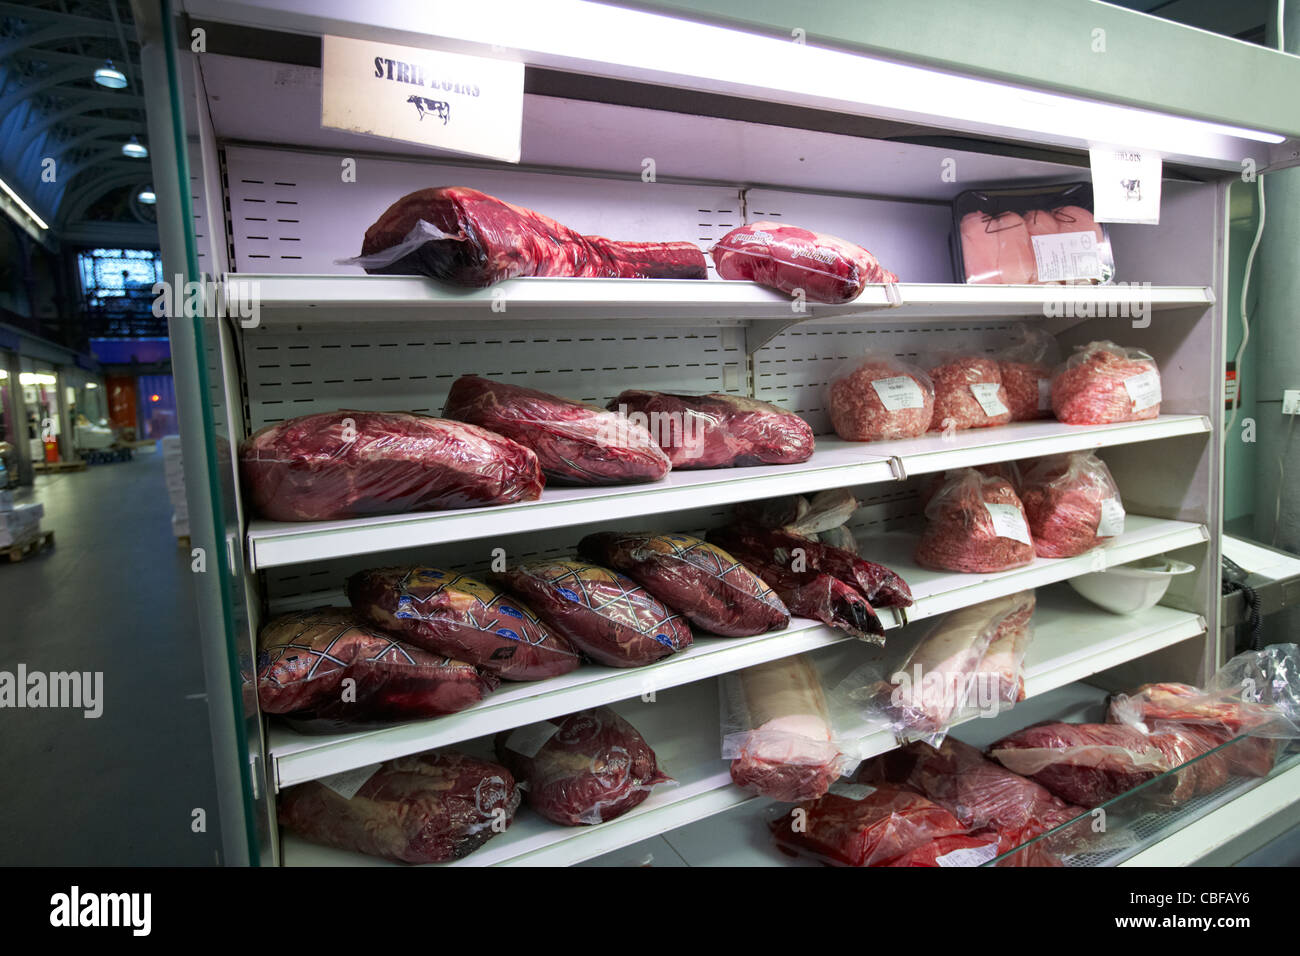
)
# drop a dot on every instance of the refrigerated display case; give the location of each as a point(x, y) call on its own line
point(740, 125)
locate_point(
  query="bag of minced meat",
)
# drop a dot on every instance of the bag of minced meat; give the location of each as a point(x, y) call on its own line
point(877, 397)
point(1103, 382)
point(975, 524)
point(968, 392)
point(1026, 368)
point(929, 484)
point(1072, 502)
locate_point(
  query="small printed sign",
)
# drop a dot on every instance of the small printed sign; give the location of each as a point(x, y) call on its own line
point(452, 101)
point(1126, 185)
point(899, 392)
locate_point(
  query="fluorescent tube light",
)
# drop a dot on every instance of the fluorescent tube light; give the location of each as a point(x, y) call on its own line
point(31, 213)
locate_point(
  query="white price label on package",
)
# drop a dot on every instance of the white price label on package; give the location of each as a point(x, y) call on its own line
point(899, 392)
point(347, 783)
point(986, 393)
point(1067, 255)
point(1143, 389)
point(1126, 185)
point(527, 741)
point(852, 791)
point(968, 856)
point(1009, 522)
point(1111, 521)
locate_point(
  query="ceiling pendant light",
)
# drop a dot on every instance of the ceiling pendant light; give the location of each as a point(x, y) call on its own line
point(147, 196)
point(134, 149)
point(110, 76)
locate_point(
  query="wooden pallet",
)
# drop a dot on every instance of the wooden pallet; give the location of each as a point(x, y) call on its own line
point(28, 548)
point(45, 467)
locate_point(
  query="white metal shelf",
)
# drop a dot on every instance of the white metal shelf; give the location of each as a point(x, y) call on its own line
point(295, 758)
point(835, 464)
point(1072, 639)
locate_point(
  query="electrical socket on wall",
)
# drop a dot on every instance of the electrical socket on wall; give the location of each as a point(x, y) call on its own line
point(1291, 401)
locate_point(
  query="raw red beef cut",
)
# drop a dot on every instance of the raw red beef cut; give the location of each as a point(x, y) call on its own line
point(456, 615)
point(880, 398)
point(468, 238)
point(347, 464)
point(968, 393)
point(975, 524)
point(606, 615)
point(718, 430)
point(1103, 383)
point(1072, 503)
point(788, 258)
point(576, 443)
point(427, 808)
point(706, 584)
point(864, 825)
point(303, 659)
point(582, 769)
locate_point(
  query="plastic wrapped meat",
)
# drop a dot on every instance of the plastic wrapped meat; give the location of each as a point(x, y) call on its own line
point(576, 444)
point(788, 258)
point(718, 430)
point(581, 769)
point(304, 658)
point(974, 850)
point(1004, 660)
point(1026, 371)
point(975, 524)
point(777, 731)
point(427, 808)
point(1072, 503)
point(348, 464)
point(997, 249)
point(968, 393)
point(712, 589)
point(1103, 383)
point(607, 615)
point(862, 825)
point(468, 238)
point(879, 398)
point(456, 615)
point(929, 485)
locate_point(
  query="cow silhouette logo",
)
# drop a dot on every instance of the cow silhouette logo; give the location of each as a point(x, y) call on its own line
point(1132, 189)
point(425, 107)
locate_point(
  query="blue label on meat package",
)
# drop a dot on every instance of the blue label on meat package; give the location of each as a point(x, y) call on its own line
point(509, 611)
point(506, 632)
point(663, 639)
point(571, 595)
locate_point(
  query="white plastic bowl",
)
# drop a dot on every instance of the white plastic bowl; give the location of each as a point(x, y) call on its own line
point(1130, 588)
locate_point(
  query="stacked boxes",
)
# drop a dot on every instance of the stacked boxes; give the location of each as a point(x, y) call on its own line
point(175, 477)
point(18, 523)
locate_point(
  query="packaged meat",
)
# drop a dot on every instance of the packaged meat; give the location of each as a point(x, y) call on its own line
point(1004, 660)
point(806, 517)
point(468, 238)
point(975, 849)
point(426, 808)
point(863, 825)
point(777, 731)
point(877, 397)
point(788, 259)
point(456, 615)
point(975, 524)
point(1072, 503)
point(1103, 383)
point(576, 444)
point(718, 430)
point(709, 587)
point(930, 484)
point(606, 615)
point(1026, 369)
point(581, 769)
point(1031, 234)
point(348, 464)
point(968, 392)
point(304, 658)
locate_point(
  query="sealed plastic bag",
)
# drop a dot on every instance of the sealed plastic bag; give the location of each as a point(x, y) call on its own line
point(468, 238)
point(968, 392)
point(930, 484)
point(718, 430)
point(1072, 503)
point(1103, 382)
point(778, 733)
point(581, 769)
point(807, 517)
point(607, 615)
point(1026, 370)
point(1005, 658)
point(877, 397)
point(456, 615)
point(304, 658)
point(576, 444)
point(708, 586)
point(788, 259)
point(863, 825)
point(426, 808)
point(975, 524)
point(348, 464)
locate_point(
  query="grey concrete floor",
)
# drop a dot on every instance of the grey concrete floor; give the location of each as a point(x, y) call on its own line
point(113, 596)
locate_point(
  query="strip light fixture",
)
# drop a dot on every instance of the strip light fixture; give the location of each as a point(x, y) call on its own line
point(17, 200)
